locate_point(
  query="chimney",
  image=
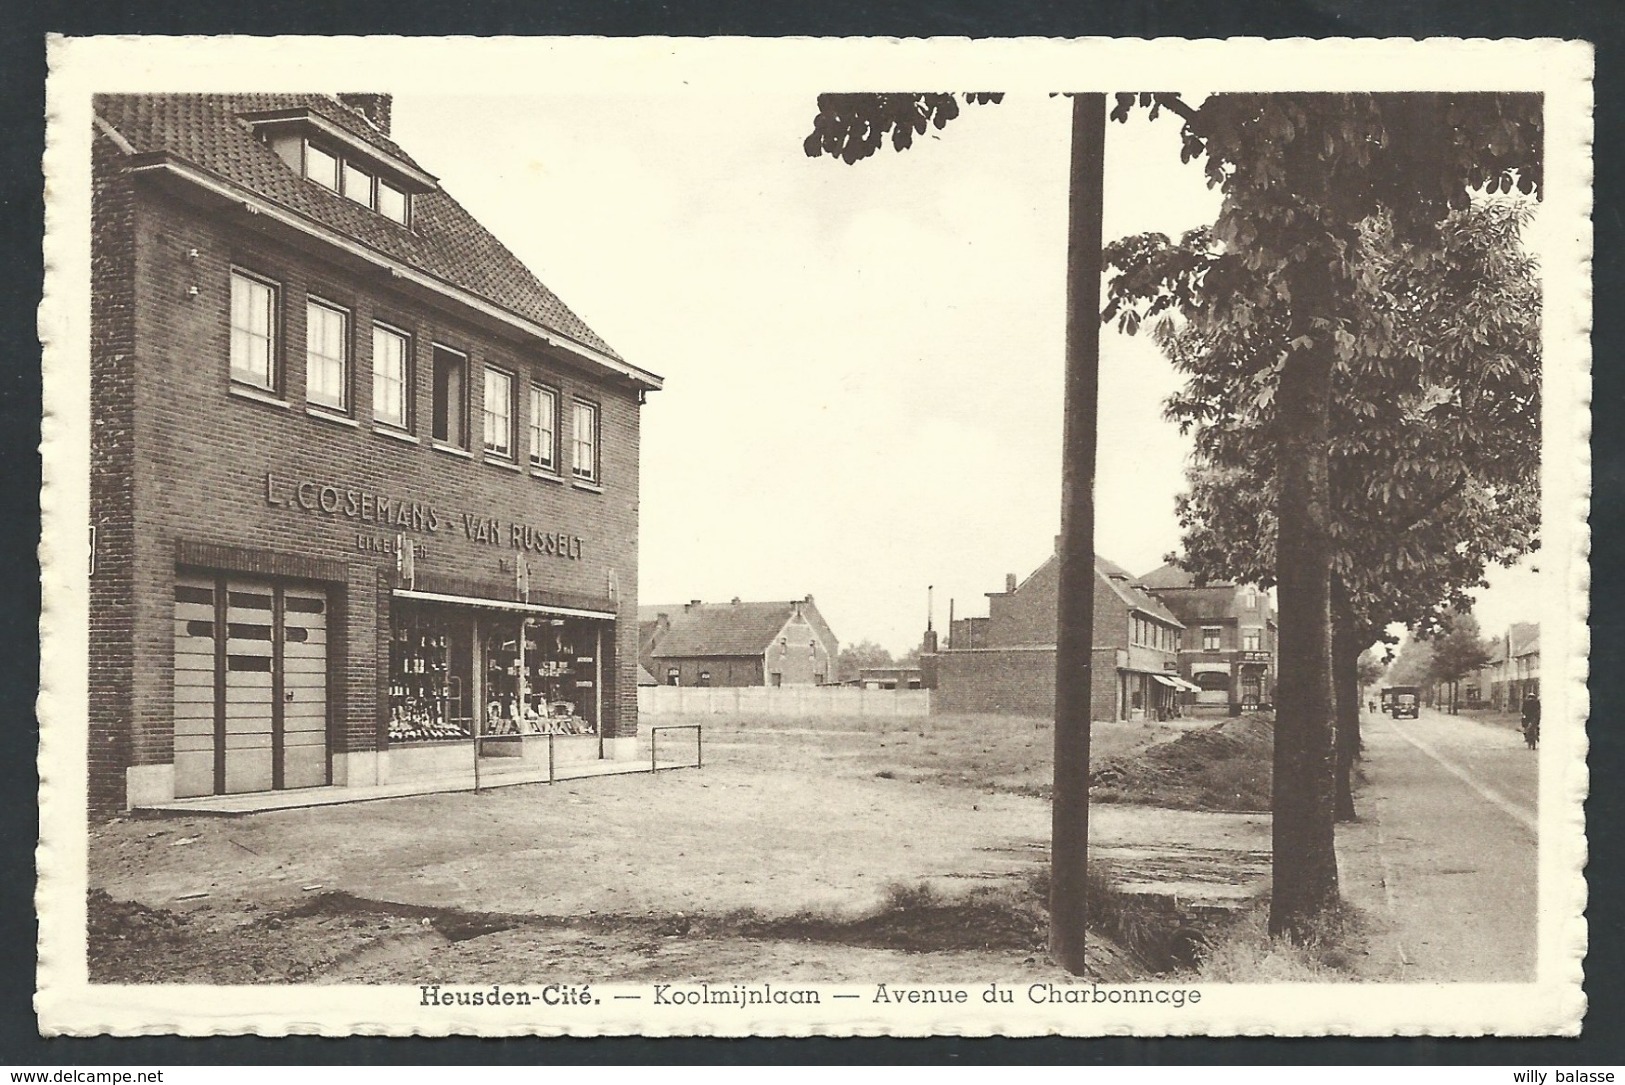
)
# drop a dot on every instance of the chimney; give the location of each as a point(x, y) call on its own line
point(690, 605)
point(1009, 582)
point(374, 107)
point(808, 599)
point(735, 601)
point(928, 647)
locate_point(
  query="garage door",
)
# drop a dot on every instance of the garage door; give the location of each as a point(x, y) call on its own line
point(250, 685)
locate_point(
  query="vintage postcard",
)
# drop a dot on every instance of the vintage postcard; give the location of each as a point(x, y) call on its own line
point(787, 537)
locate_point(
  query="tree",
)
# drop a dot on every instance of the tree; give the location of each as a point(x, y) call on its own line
point(1370, 669)
point(1435, 434)
point(855, 657)
point(1302, 176)
point(851, 127)
point(1414, 664)
point(1459, 649)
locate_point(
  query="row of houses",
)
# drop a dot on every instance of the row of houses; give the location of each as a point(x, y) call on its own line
point(1163, 645)
point(1513, 670)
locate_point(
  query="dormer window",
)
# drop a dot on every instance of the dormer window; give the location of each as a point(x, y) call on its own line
point(358, 184)
point(360, 169)
point(356, 180)
point(321, 167)
point(391, 202)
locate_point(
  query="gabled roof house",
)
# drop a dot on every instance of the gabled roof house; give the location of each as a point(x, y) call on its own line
point(737, 643)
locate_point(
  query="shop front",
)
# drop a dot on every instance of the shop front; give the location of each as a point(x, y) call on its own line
point(503, 682)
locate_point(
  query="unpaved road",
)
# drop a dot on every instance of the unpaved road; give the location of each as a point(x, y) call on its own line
point(628, 876)
point(1445, 852)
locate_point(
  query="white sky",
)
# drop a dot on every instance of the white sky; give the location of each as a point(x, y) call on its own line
point(863, 363)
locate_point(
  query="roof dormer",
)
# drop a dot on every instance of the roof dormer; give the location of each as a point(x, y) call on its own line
point(343, 162)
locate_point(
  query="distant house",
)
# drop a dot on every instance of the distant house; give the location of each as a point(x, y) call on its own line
point(1009, 666)
point(737, 644)
point(901, 677)
point(1230, 638)
point(1513, 671)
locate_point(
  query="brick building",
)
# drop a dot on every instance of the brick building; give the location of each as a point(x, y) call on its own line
point(362, 487)
point(1230, 639)
point(1010, 667)
point(737, 644)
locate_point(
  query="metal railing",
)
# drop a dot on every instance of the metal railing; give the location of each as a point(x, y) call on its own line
point(699, 745)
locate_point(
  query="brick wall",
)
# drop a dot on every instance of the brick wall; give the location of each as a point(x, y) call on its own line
point(997, 681)
point(1017, 682)
point(112, 457)
point(1027, 615)
point(196, 459)
point(724, 670)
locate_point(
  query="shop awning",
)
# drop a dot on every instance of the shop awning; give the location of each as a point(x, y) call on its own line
point(503, 604)
point(1190, 686)
point(1171, 683)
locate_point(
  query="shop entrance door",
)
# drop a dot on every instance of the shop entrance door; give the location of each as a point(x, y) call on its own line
point(250, 685)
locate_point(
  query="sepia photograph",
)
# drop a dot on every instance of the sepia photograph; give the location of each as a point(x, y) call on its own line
point(676, 537)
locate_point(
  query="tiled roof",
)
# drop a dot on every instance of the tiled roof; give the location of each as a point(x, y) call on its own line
point(445, 241)
point(725, 629)
point(1133, 596)
point(1525, 638)
point(1173, 575)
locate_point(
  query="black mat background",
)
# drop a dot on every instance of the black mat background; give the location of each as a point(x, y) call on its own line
point(22, 76)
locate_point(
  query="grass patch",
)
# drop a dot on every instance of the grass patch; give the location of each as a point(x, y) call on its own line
point(1150, 928)
point(914, 918)
point(1243, 952)
point(1225, 767)
point(1003, 754)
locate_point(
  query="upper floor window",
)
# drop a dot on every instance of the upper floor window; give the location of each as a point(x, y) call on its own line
point(498, 412)
point(327, 355)
point(253, 331)
point(357, 184)
point(585, 436)
point(1252, 639)
point(1249, 597)
point(450, 408)
point(391, 201)
point(544, 428)
point(357, 180)
point(321, 167)
point(1210, 638)
point(391, 377)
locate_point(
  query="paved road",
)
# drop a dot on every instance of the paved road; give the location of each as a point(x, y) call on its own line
point(1445, 849)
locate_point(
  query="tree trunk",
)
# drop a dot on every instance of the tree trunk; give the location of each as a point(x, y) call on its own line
point(1346, 650)
point(1069, 811)
point(1304, 863)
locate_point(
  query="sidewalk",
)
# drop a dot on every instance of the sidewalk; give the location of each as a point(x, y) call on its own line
point(1443, 857)
point(255, 802)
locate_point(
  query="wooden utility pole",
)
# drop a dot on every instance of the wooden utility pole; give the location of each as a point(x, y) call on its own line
point(1069, 837)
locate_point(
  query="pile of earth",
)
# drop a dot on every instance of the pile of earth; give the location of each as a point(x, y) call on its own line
point(1224, 767)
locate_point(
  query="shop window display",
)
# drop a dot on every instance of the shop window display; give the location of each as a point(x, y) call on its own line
point(426, 694)
point(541, 677)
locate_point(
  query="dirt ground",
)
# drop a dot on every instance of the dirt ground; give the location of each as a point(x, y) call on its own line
point(817, 850)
